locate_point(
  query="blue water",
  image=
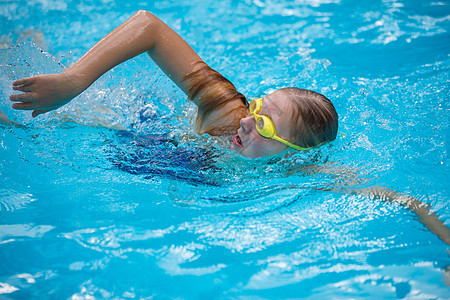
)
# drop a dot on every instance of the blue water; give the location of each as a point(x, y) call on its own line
point(155, 211)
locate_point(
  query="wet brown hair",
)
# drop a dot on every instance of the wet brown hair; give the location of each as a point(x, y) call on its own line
point(211, 91)
point(313, 116)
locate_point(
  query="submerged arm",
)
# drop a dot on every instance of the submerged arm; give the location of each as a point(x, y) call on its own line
point(143, 32)
point(349, 178)
point(428, 218)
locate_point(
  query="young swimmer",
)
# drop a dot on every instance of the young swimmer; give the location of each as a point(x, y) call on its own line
point(288, 118)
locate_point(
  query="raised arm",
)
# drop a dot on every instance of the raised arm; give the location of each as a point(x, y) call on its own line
point(143, 32)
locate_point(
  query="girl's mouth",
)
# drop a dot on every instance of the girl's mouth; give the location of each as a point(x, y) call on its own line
point(237, 141)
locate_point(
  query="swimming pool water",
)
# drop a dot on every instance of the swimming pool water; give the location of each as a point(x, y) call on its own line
point(154, 211)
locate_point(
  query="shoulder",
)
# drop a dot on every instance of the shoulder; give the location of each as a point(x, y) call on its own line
point(220, 105)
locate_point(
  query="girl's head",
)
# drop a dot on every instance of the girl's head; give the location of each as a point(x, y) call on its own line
point(301, 117)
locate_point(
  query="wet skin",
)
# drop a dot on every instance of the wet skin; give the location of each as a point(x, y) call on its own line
point(250, 143)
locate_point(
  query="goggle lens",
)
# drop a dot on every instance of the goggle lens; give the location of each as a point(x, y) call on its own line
point(252, 106)
point(255, 106)
point(260, 124)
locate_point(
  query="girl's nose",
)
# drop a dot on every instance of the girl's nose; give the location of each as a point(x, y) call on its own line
point(247, 123)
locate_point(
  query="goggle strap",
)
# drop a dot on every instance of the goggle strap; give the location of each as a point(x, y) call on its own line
point(277, 138)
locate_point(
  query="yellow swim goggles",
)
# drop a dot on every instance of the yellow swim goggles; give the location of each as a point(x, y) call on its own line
point(265, 126)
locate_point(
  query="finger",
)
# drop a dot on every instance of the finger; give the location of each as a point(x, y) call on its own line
point(21, 97)
point(23, 81)
point(24, 106)
point(23, 88)
point(39, 112)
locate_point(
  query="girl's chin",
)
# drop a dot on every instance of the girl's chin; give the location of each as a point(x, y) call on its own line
point(235, 148)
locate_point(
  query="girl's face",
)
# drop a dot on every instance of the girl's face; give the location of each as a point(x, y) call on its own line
point(250, 143)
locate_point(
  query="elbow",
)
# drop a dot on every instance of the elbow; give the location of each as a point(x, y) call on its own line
point(145, 15)
point(147, 26)
point(147, 19)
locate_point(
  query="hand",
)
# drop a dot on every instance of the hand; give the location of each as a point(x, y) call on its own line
point(44, 93)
